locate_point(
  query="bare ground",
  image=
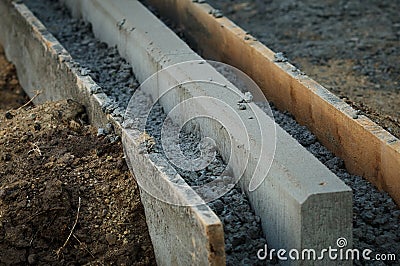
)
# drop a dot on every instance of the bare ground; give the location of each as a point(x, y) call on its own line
point(66, 195)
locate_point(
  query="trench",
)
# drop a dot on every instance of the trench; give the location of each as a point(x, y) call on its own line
point(376, 217)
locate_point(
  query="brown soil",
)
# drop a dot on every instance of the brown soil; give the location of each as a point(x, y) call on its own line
point(66, 195)
point(382, 106)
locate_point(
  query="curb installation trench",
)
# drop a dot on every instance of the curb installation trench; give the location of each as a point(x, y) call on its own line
point(296, 210)
point(337, 125)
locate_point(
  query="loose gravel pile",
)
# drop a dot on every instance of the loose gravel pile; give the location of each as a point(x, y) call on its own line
point(376, 217)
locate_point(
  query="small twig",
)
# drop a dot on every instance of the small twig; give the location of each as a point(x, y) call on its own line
point(35, 148)
point(37, 93)
point(83, 244)
point(33, 237)
point(72, 229)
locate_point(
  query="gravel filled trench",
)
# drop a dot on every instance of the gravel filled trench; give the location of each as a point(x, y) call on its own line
point(243, 233)
point(376, 217)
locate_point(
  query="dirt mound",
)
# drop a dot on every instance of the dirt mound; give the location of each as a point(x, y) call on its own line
point(66, 194)
point(55, 171)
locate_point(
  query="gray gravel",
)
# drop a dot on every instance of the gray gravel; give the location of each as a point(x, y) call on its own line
point(376, 217)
